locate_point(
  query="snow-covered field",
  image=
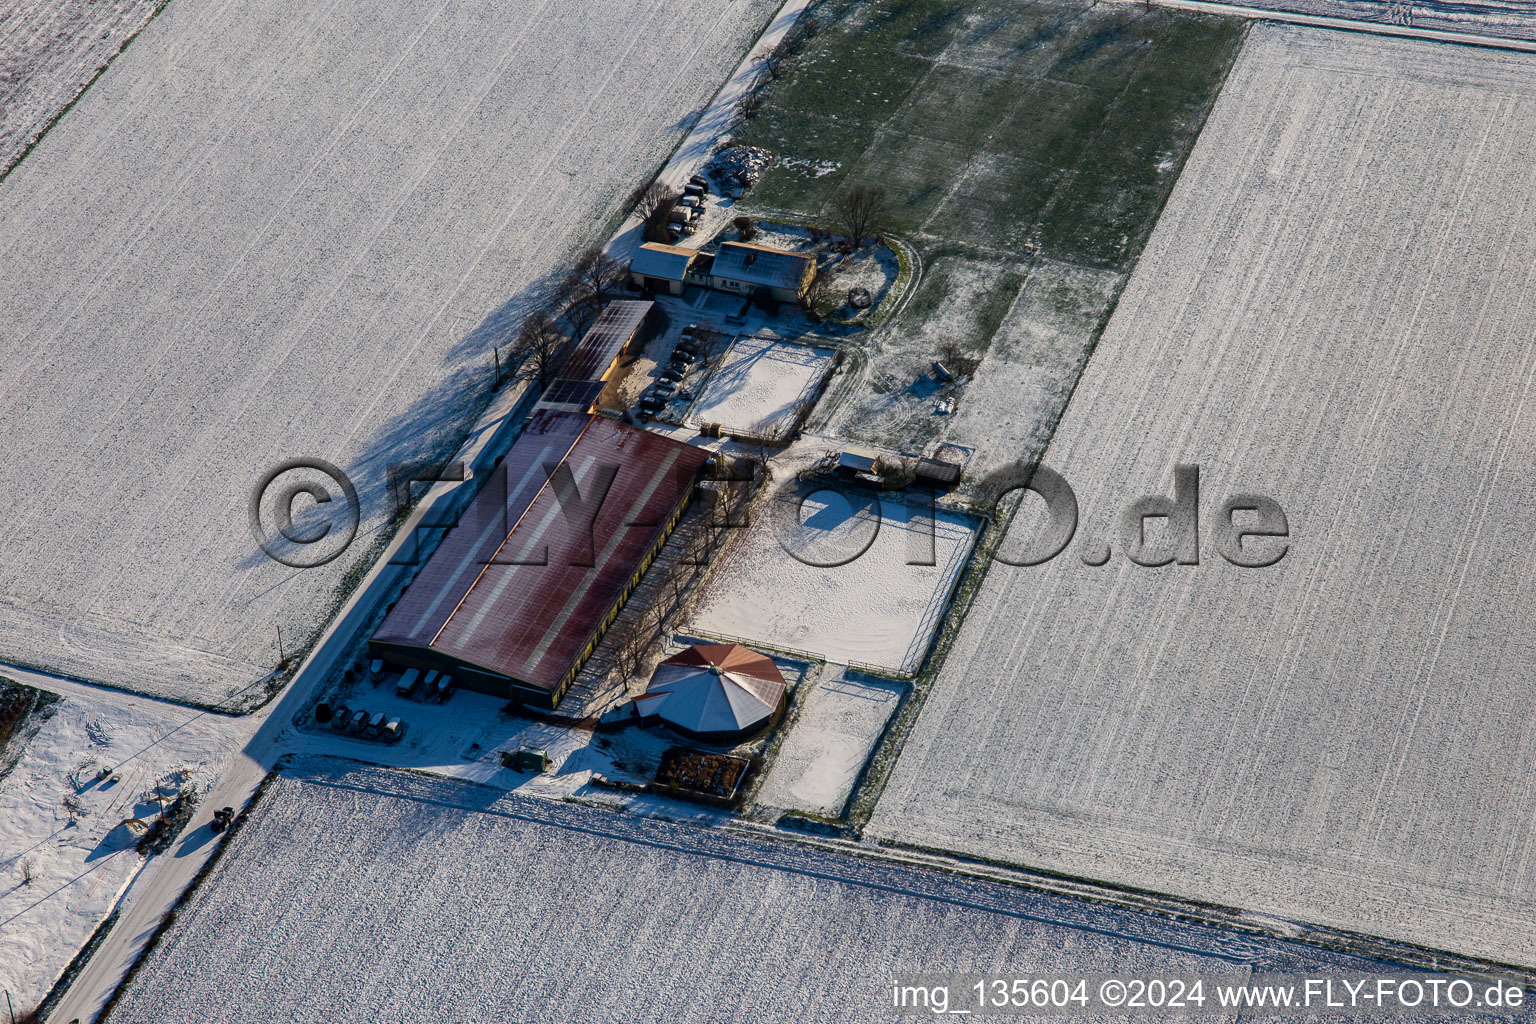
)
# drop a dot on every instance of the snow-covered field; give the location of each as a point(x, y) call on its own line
point(353, 897)
point(762, 386)
point(269, 233)
point(1334, 311)
point(834, 732)
point(1509, 19)
point(879, 608)
point(1008, 411)
point(49, 49)
point(78, 870)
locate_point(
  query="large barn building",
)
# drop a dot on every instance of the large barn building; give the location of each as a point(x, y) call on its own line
point(518, 594)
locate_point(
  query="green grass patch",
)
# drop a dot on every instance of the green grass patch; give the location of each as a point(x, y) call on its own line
point(994, 126)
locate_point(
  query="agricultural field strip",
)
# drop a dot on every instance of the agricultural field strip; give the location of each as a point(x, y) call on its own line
point(1292, 741)
point(287, 799)
point(202, 201)
point(49, 52)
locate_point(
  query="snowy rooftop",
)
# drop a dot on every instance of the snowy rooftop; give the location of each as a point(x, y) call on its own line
point(759, 264)
point(669, 262)
point(603, 342)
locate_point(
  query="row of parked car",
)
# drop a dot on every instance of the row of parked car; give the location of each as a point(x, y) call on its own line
point(359, 722)
point(688, 353)
point(689, 209)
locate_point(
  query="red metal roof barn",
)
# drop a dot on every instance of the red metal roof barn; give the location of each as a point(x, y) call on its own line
point(521, 589)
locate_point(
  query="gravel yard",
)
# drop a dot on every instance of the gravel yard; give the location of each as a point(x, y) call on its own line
point(1334, 311)
point(362, 896)
point(271, 232)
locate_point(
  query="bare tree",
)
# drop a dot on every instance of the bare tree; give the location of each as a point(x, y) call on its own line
point(820, 298)
point(751, 101)
point(26, 871)
point(596, 276)
point(647, 198)
point(775, 61)
point(540, 349)
point(859, 211)
point(656, 618)
point(656, 224)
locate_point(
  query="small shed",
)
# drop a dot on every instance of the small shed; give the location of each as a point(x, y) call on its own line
point(658, 267)
point(853, 461)
point(940, 475)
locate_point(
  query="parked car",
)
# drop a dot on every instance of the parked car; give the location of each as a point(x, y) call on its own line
point(671, 375)
point(358, 723)
point(341, 717)
point(375, 724)
point(407, 682)
point(393, 730)
point(651, 405)
point(684, 356)
point(699, 180)
point(444, 688)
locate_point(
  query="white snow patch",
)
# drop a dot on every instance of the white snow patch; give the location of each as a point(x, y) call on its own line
point(880, 609)
point(79, 870)
point(762, 386)
point(827, 746)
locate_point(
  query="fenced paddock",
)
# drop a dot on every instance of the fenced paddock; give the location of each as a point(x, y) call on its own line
point(881, 608)
point(763, 387)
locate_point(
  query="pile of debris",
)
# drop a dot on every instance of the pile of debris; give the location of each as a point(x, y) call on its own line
point(737, 168)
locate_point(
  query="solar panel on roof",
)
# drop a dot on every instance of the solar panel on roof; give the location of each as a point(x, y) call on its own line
point(580, 393)
point(601, 344)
